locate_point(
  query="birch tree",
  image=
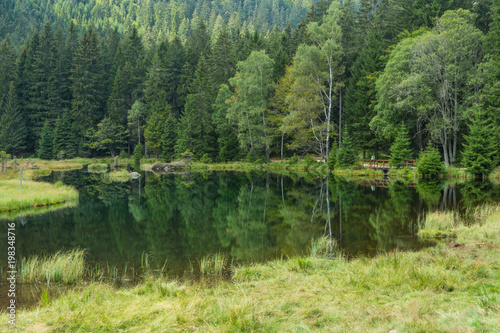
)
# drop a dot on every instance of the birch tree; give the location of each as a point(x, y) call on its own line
point(249, 105)
point(317, 70)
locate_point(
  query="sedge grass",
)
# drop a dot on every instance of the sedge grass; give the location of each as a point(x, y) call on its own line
point(33, 194)
point(61, 267)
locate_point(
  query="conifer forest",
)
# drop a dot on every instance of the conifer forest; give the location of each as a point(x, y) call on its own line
point(234, 80)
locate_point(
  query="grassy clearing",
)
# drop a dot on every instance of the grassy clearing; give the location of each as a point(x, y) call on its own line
point(440, 289)
point(61, 267)
point(33, 194)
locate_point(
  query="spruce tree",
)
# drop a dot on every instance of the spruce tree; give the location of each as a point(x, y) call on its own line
point(347, 155)
point(400, 149)
point(168, 137)
point(87, 85)
point(45, 145)
point(195, 129)
point(13, 131)
point(226, 132)
point(480, 147)
point(63, 138)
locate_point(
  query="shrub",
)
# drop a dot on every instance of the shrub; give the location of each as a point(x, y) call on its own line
point(429, 163)
point(205, 159)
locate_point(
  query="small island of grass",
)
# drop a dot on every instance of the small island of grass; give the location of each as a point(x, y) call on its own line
point(31, 194)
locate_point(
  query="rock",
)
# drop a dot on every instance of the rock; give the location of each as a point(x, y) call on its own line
point(135, 175)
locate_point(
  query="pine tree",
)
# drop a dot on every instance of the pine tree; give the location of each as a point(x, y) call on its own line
point(400, 149)
point(174, 63)
point(195, 128)
point(360, 93)
point(7, 67)
point(160, 131)
point(168, 137)
point(87, 83)
point(429, 163)
point(45, 146)
point(63, 139)
point(13, 131)
point(480, 147)
point(347, 155)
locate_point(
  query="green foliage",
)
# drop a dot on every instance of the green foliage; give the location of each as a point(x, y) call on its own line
point(309, 161)
point(13, 131)
point(138, 153)
point(347, 155)
point(253, 88)
point(429, 163)
point(400, 149)
point(205, 159)
point(481, 146)
point(109, 136)
point(45, 145)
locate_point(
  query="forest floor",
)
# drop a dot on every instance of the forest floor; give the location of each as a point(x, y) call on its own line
point(452, 287)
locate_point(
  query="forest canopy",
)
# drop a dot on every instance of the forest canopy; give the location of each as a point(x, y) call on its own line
point(229, 80)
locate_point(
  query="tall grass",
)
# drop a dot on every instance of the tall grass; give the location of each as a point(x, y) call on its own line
point(213, 265)
point(446, 223)
point(438, 289)
point(33, 194)
point(65, 267)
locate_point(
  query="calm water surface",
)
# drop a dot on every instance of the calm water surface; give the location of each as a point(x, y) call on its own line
point(178, 219)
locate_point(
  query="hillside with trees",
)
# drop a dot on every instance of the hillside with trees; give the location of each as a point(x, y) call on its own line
point(232, 80)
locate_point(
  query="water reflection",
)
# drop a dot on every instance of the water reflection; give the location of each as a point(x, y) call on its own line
point(250, 216)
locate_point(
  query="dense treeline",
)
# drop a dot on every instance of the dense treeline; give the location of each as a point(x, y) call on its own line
point(156, 20)
point(367, 77)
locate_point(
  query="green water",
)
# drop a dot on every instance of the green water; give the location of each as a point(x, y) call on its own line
point(176, 220)
point(252, 217)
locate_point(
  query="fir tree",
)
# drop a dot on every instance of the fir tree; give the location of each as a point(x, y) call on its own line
point(45, 146)
point(13, 132)
point(195, 129)
point(480, 147)
point(87, 85)
point(400, 149)
point(63, 139)
point(429, 163)
point(347, 155)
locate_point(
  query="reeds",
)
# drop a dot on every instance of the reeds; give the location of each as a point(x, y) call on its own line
point(213, 265)
point(61, 267)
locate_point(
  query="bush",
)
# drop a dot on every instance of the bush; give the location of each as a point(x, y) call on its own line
point(429, 163)
point(205, 159)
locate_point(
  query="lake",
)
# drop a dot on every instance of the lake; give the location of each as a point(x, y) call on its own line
point(174, 220)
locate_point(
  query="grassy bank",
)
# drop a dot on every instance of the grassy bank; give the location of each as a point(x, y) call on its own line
point(437, 289)
point(33, 194)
